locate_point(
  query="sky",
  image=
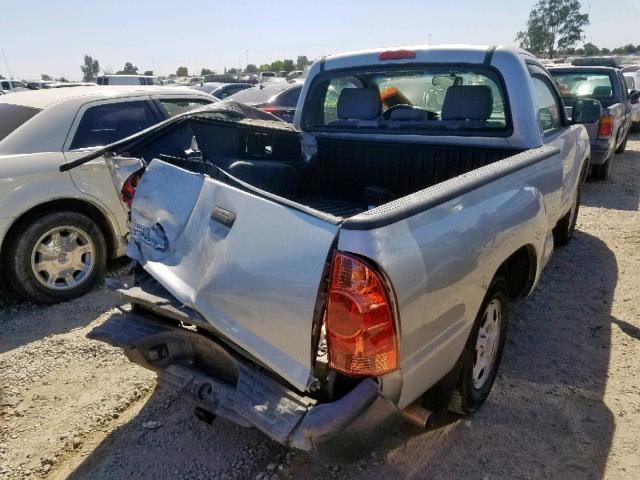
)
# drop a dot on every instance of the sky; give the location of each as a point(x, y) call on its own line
point(52, 37)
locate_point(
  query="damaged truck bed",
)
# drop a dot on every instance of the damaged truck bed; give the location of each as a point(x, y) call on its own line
point(322, 281)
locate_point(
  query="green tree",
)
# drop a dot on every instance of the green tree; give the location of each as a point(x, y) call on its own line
point(553, 25)
point(629, 48)
point(182, 72)
point(128, 69)
point(302, 62)
point(90, 69)
point(148, 73)
point(591, 50)
point(45, 77)
point(206, 71)
point(277, 66)
point(288, 65)
point(617, 51)
point(605, 51)
point(251, 68)
point(265, 67)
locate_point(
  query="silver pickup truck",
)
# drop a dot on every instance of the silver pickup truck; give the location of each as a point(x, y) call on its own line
point(607, 85)
point(323, 281)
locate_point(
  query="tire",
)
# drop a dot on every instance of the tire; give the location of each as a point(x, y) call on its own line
point(601, 172)
point(623, 145)
point(566, 226)
point(44, 257)
point(473, 388)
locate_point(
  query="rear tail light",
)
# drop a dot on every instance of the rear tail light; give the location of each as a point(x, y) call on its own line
point(361, 333)
point(397, 55)
point(270, 109)
point(129, 188)
point(605, 128)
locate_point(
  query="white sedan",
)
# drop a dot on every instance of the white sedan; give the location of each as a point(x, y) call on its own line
point(57, 230)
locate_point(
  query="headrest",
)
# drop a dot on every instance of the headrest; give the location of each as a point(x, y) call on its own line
point(409, 114)
point(359, 104)
point(467, 102)
point(602, 91)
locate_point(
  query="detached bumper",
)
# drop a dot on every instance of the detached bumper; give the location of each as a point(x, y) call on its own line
point(218, 382)
point(600, 151)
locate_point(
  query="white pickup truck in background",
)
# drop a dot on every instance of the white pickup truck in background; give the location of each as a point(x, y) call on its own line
point(319, 281)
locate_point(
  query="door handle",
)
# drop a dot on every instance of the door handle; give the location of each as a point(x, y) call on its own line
point(225, 217)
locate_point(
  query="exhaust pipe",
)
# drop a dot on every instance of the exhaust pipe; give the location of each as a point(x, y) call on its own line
point(417, 415)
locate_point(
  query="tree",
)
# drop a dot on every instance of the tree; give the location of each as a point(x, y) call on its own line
point(182, 72)
point(618, 51)
point(251, 68)
point(605, 51)
point(128, 69)
point(277, 66)
point(148, 73)
point(45, 77)
point(591, 50)
point(265, 67)
point(90, 69)
point(553, 25)
point(62, 80)
point(629, 48)
point(288, 65)
point(302, 62)
point(206, 71)
point(232, 71)
point(1, 77)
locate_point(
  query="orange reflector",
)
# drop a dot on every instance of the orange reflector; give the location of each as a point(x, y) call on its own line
point(605, 128)
point(397, 55)
point(360, 326)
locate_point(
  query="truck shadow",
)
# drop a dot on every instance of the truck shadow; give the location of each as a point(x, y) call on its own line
point(545, 417)
point(625, 195)
point(23, 322)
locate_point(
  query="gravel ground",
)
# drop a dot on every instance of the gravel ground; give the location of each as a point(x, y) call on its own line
point(566, 403)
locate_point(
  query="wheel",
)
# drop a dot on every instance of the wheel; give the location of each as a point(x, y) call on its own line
point(623, 145)
point(57, 257)
point(563, 231)
point(483, 351)
point(601, 172)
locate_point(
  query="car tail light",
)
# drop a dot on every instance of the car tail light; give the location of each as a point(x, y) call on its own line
point(270, 109)
point(397, 55)
point(605, 128)
point(129, 188)
point(360, 326)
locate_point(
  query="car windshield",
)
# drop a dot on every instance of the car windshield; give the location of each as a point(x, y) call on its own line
point(584, 84)
point(12, 116)
point(435, 98)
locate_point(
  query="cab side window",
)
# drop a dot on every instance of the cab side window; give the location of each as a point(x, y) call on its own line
point(548, 108)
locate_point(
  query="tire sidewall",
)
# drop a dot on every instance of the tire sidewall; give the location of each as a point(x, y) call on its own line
point(471, 396)
point(21, 275)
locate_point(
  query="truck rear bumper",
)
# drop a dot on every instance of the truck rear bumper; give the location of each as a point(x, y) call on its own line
point(600, 151)
point(217, 382)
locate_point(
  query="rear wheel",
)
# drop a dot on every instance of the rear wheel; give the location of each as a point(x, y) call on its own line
point(623, 145)
point(601, 172)
point(56, 257)
point(566, 226)
point(483, 351)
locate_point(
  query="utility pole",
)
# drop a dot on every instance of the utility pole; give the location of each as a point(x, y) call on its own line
point(6, 64)
point(246, 53)
point(429, 39)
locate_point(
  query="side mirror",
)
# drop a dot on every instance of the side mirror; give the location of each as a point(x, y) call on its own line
point(586, 110)
point(634, 96)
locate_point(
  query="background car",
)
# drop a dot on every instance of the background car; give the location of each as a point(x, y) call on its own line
point(57, 230)
point(222, 90)
point(128, 80)
point(632, 78)
point(279, 99)
point(7, 86)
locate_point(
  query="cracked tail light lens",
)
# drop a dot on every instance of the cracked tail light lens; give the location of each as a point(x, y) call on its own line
point(129, 188)
point(605, 128)
point(359, 320)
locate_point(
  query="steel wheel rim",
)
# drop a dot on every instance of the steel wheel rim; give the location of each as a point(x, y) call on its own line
point(63, 258)
point(487, 344)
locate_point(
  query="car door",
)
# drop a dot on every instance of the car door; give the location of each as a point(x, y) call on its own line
point(556, 131)
point(97, 124)
point(626, 104)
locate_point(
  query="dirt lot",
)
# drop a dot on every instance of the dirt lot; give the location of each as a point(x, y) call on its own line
point(566, 403)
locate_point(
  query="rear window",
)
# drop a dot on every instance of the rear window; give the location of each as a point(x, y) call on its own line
point(432, 99)
point(105, 124)
point(12, 116)
point(631, 83)
point(288, 98)
point(177, 106)
point(584, 84)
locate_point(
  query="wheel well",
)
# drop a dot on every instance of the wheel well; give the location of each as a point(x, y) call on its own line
point(519, 270)
point(70, 204)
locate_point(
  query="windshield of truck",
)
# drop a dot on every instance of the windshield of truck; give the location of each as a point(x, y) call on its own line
point(12, 116)
point(584, 84)
point(456, 99)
